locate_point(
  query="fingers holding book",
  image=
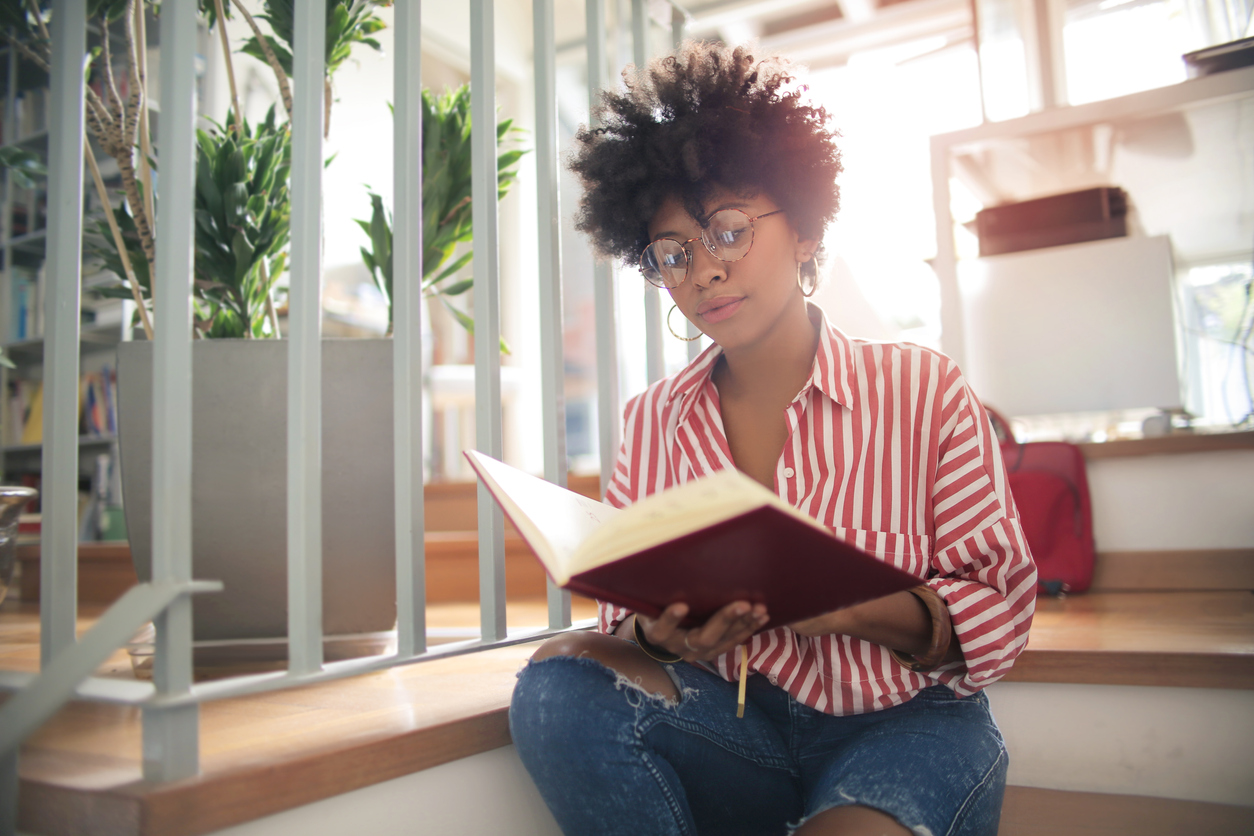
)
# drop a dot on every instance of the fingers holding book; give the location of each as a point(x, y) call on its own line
point(724, 631)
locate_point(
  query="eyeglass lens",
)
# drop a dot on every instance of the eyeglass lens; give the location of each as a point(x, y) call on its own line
point(728, 236)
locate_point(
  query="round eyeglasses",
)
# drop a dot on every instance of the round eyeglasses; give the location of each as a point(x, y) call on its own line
point(728, 236)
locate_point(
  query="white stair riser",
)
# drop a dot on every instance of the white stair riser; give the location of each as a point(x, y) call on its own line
point(1187, 743)
point(1193, 501)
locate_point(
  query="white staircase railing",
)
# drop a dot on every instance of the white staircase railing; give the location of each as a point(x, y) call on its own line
point(170, 703)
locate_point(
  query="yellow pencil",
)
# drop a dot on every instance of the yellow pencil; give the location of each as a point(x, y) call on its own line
point(744, 676)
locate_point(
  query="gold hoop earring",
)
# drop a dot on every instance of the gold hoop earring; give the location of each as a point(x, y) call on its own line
point(801, 285)
point(672, 330)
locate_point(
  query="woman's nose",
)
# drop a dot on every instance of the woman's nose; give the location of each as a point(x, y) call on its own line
point(704, 268)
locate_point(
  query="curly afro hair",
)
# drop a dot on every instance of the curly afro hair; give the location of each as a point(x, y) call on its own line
point(702, 118)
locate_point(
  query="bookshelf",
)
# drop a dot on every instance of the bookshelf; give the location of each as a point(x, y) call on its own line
point(24, 106)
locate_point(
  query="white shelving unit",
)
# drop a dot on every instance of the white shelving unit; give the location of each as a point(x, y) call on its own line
point(1182, 153)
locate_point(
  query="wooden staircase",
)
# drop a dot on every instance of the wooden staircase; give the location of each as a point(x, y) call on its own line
point(1170, 624)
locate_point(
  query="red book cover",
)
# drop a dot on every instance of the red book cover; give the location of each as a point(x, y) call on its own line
point(764, 556)
point(730, 539)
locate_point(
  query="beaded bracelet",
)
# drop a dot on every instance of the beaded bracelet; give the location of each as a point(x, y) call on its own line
point(942, 632)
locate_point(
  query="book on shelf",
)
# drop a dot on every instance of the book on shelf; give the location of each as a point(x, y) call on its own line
point(32, 111)
point(32, 427)
point(18, 397)
point(98, 410)
point(706, 543)
point(25, 303)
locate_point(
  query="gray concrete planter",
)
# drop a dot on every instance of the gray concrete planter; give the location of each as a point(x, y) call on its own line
point(239, 490)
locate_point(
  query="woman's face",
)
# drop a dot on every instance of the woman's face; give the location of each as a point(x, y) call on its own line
point(737, 303)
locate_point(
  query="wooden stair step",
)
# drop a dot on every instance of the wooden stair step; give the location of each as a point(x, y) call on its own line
point(274, 751)
point(1031, 811)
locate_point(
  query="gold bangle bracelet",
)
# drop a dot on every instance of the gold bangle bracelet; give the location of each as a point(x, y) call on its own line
point(942, 632)
point(652, 650)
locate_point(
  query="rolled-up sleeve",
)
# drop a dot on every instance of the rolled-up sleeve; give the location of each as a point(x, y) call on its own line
point(982, 566)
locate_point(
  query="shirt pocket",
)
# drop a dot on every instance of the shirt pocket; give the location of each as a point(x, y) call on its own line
point(909, 552)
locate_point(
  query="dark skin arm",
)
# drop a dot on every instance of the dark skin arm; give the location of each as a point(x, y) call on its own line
point(900, 621)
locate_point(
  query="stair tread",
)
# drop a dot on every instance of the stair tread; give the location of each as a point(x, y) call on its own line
point(274, 751)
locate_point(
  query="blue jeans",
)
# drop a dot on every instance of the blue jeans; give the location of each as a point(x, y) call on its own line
point(610, 759)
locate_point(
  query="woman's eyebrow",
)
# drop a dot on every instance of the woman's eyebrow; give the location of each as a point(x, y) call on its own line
point(670, 233)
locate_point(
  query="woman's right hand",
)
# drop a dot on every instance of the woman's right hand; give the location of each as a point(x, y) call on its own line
point(724, 631)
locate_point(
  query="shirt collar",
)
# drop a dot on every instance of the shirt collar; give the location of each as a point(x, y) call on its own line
point(833, 371)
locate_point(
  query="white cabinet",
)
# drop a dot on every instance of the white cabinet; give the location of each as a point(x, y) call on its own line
point(1183, 155)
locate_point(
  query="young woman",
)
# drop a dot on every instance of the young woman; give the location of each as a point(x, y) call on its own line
point(714, 174)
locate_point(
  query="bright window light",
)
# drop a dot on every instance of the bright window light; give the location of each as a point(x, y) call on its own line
point(887, 104)
point(1118, 47)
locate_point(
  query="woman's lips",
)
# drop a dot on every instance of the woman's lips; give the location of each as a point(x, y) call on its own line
point(716, 310)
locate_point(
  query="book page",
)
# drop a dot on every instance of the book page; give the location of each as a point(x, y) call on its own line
point(678, 511)
point(553, 520)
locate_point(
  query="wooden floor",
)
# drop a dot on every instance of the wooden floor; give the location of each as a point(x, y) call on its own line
point(269, 752)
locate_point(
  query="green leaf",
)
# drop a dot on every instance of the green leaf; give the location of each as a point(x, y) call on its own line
point(24, 166)
point(462, 317)
point(454, 267)
point(507, 159)
point(380, 229)
point(458, 288)
point(235, 204)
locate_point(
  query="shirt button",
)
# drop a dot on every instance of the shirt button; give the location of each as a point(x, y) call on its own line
point(789, 472)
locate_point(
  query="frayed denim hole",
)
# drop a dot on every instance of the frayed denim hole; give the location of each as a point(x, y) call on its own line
point(637, 695)
point(621, 683)
point(793, 827)
point(586, 661)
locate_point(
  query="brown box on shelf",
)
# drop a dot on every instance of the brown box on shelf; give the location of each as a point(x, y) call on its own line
point(1072, 218)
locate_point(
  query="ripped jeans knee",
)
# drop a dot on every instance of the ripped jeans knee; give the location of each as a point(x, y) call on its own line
point(622, 681)
point(593, 673)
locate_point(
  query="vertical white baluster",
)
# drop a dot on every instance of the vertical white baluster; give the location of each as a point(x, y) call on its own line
point(487, 311)
point(171, 736)
point(602, 276)
point(655, 361)
point(58, 569)
point(304, 371)
point(407, 328)
point(679, 20)
point(549, 214)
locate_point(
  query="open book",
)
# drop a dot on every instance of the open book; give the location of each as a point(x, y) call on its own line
point(706, 543)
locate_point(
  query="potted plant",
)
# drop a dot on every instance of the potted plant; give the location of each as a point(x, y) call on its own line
point(240, 369)
point(446, 207)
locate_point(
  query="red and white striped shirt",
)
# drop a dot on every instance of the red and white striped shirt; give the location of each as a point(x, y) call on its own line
point(889, 448)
